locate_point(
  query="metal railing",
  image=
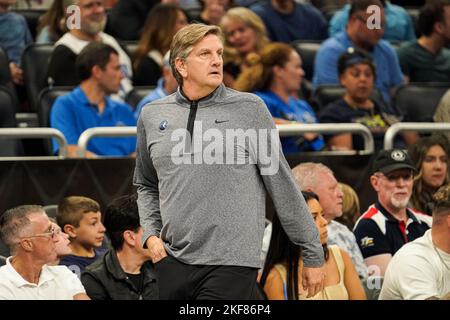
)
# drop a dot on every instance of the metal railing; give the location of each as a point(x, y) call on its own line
point(393, 130)
point(37, 133)
point(88, 134)
point(286, 130)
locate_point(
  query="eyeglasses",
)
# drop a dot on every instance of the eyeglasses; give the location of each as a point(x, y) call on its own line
point(50, 234)
point(393, 177)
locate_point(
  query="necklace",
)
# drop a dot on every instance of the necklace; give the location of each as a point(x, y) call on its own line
point(440, 257)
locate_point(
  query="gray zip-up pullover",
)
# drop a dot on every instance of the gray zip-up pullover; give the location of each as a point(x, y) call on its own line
point(205, 211)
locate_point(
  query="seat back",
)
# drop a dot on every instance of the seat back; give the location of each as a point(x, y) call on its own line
point(2, 261)
point(46, 99)
point(8, 147)
point(51, 210)
point(130, 48)
point(137, 94)
point(325, 94)
point(307, 51)
point(418, 101)
point(5, 76)
point(35, 62)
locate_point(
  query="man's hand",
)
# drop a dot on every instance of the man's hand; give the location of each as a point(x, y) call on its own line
point(156, 249)
point(312, 280)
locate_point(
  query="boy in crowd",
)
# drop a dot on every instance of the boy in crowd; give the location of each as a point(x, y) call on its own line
point(80, 218)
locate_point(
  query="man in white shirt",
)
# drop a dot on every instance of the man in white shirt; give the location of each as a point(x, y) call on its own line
point(421, 269)
point(31, 238)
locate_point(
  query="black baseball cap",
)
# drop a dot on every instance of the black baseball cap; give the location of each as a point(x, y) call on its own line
point(390, 160)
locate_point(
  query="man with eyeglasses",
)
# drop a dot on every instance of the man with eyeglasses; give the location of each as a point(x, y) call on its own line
point(31, 238)
point(388, 224)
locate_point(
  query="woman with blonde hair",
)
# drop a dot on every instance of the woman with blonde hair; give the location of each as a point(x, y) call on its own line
point(245, 33)
point(350, 206)
point(275, 75)
point(163, 21)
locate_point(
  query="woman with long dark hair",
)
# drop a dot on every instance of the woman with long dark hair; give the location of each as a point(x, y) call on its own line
point(163, 21)
point(281, 277)
point(431, 158)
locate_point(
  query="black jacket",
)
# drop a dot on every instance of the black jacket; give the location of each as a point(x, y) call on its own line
point(105, 280)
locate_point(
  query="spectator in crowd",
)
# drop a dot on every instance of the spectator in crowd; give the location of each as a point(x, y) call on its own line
point(428, 59)
point(32, 4)
point(357, 74)
point(245, 33)
point(167, 84)
point(89, 104)
point(163, 21)
point(284, 264)
point(62, 245)
point(212, 249)
point(442, 113)
point(275, 76)
point(62, 69)
point(430, 156)
point(125, 272)
point(52, 24)
point(27, 274)
point(421, 269)
point(14, 38)
point(388, 224)
point(358, 35)
point(81, 219)
point(399, 25)
point(287, 20)
point(212, 11)
point(350, 206)
point(127, 17)
point(318, 178)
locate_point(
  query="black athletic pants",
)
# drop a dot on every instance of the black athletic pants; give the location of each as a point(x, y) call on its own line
point(179, 281)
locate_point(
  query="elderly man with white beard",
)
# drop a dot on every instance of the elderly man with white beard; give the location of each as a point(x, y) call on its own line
point(388, 224)
point(88, 28)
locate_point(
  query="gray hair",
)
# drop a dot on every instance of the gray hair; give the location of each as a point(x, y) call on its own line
point(184, 41)
point(306, 174)
point(15, 222)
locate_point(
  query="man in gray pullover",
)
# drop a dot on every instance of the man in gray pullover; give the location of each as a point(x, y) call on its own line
point(201, 194)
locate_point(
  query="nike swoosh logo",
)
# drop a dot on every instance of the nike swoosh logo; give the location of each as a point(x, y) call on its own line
point(221, 121)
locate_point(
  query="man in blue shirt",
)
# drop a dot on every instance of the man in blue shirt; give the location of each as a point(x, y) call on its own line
point(287, 20)
point(399, 25)
point(358, 34)
point(89, 105)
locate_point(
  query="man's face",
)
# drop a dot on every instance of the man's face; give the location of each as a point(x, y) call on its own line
point(203, 68)
point(330, 195)
point(93, 16)
point(394, 188)
point(109, 78)
point(42, 238)
point(444, 26)
point(365, 36)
